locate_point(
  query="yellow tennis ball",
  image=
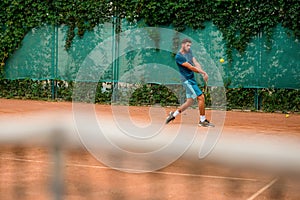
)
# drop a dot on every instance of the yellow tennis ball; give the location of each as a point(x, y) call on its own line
point(287, 115)
point(222, 60)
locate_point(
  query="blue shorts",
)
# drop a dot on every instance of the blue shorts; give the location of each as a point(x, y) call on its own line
point(191, 89)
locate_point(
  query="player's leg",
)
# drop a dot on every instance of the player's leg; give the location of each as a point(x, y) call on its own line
point(201, 105)
point(190, 96)
point(180, 109)
point(187, 103)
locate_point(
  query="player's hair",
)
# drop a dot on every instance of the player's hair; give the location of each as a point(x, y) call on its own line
point(185, 40)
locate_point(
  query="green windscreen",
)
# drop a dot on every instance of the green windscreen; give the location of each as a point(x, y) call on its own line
point(133, 57)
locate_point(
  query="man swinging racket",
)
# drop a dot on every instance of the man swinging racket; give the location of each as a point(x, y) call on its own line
point(187, 65)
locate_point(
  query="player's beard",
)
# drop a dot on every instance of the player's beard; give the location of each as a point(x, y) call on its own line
point(186, 50)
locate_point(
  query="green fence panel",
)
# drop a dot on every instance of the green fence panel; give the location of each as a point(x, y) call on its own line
point(267, 64)
point(264, 64)
point(280, 64)
point(35, 58)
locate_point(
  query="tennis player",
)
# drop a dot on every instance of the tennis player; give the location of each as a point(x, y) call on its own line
point(187, 65)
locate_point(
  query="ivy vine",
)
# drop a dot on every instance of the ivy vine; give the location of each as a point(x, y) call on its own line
point(238, 20)
point(17, 17)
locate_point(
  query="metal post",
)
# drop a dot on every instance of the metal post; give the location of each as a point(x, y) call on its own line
point(54, 61)
point(115, 56)
point(257, 98)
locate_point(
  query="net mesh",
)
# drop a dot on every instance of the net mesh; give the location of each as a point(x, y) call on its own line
point(44, 158)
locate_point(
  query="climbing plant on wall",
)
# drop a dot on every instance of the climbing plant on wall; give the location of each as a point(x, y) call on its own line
point(238, 20)
point(17, 17)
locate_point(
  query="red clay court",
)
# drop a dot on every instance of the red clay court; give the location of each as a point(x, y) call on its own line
point(27, 171)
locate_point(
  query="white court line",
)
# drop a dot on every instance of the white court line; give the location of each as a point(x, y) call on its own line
point(263, 189)
point(155, 172)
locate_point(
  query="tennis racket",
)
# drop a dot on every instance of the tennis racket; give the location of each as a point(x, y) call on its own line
point(205, 87)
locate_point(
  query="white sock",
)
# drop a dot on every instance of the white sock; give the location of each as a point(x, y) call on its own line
point(176, 113)
point(202, 118)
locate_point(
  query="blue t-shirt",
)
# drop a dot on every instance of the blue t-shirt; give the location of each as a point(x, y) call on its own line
point(180, 58)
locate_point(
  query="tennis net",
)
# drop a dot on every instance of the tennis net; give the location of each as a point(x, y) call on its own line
point(57, 156)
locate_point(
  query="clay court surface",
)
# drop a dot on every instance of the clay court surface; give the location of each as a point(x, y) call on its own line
point(26, 170)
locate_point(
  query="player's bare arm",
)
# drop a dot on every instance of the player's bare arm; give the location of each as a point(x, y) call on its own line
point(191, 67)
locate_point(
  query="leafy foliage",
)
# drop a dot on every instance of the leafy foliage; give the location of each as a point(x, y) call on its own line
point(151, 94)
point(284, 100)
point(280, 100)
point(240, 98)
point(239, 20)
point(17, 17)
point(25, 89)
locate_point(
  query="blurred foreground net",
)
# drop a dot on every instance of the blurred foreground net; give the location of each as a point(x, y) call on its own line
point(40, 158)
